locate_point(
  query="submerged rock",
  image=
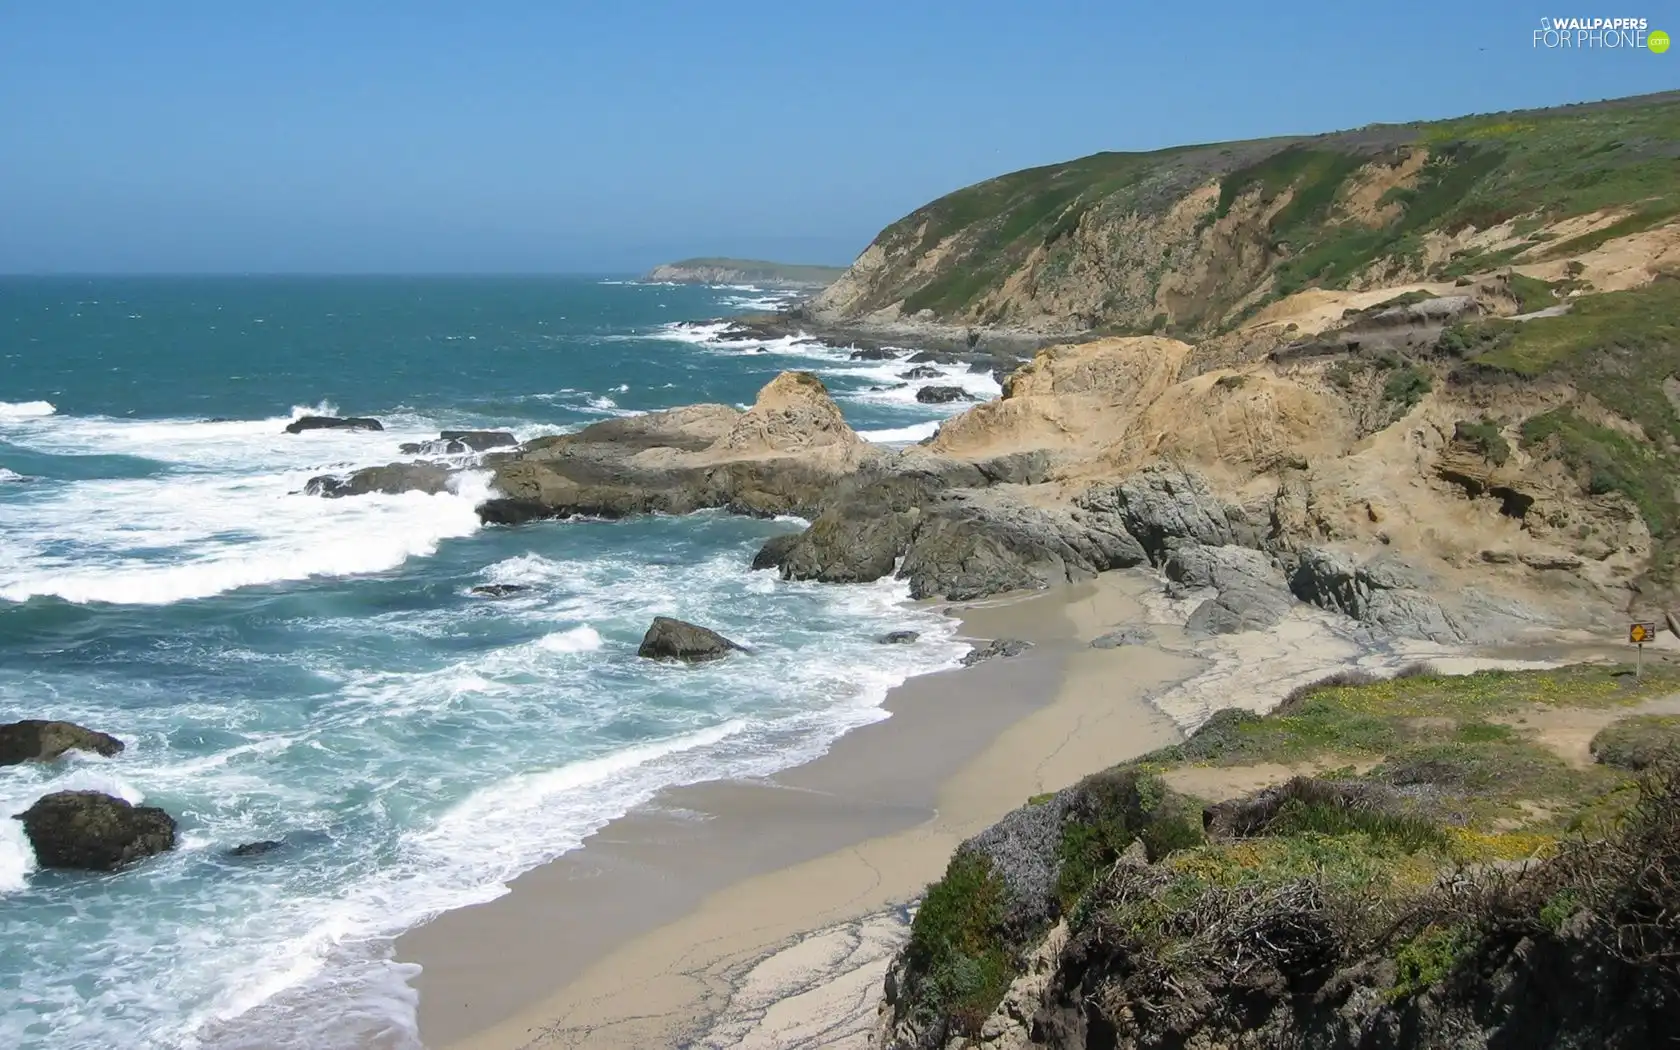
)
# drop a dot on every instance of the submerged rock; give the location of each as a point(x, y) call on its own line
point(391, 479)
point(255, 849)
point(302, 423)
point(939, 395)
point(876, 353)
point(94, 831)
point(499, 590)
point(670, 639)
point(898, 637)
point(997, 649)
point(32, 740)
point(921, 372)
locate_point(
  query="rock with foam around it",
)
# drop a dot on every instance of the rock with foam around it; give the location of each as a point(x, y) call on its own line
point(34, 740)
point(93, 831)
point(672, 639)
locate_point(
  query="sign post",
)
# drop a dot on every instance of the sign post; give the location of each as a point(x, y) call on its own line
point(1639, 634)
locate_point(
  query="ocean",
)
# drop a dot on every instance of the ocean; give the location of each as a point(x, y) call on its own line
point(316, 672)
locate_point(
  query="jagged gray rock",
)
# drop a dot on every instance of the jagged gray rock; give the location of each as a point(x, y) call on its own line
point(672, 639)
point(1159, 505)
point(972, 544)
point(774, 551)
point(34, 740)
point(1252, 591)
point(898, 637)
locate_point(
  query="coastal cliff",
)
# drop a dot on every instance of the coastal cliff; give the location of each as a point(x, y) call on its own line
point(1197, 239)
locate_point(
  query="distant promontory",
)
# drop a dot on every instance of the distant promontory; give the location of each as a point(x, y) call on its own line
point(745, 271)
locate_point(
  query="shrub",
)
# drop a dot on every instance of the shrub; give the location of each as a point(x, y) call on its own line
point(1484, 436)
point(1406, 386)
point(1639, 742)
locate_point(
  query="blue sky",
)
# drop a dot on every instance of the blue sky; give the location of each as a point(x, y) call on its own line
point(505, 136)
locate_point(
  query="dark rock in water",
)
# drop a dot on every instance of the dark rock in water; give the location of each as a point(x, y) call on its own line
point(940, 395)
point(669, 639)
point(921, 372)
point(997, 649)
point(513, 511)
point(1123, 636)
point(216, 419)
point(302, 423)
point(480, 440)
point(255, 849)
point(898, 637)
point(774, 551)
point(33, 740)
point(94, 831)
point(499, 590)
point(875, 353)
point(391, 479)
point(933, 357)
point(410, 448)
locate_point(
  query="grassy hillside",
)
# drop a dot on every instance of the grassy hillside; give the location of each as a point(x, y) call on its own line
point(1199, 236)
point(1449, 818)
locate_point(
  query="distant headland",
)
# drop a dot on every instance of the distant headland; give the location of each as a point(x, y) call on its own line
point(745, 271)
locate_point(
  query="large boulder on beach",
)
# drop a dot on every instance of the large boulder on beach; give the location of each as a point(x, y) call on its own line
point(33, 740)
point(94, 831)
point(391, 479)
point(303, 423)
point(671, 639)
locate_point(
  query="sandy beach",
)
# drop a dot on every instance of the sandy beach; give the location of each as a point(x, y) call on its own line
point(763, 913)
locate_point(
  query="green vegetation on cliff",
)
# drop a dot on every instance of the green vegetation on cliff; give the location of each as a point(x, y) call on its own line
point(1329, 882)
point(1115, 240)
point(1622, 349)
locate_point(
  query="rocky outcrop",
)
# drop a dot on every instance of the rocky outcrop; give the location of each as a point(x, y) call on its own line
point(670, 639)
point(460, 442)
point(898, 638)
point(1252, 593)
point(974, 543)
point(33, 740)
point(94, 831)
point(779, 457)
point(793, 413)
point(996, 649)
point(940, 395)
point(391, 479)
point(774, 551)
point(303, 423)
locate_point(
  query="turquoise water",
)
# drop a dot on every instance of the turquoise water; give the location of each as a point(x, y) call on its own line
point(314, 671)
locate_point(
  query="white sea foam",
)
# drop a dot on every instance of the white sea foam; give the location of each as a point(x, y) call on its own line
point(10, 410)
point(901, 435)
point(577, 640)
point(224, 509)
point(10, 475)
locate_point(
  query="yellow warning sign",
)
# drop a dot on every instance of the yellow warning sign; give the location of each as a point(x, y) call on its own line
point(1640, 633)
